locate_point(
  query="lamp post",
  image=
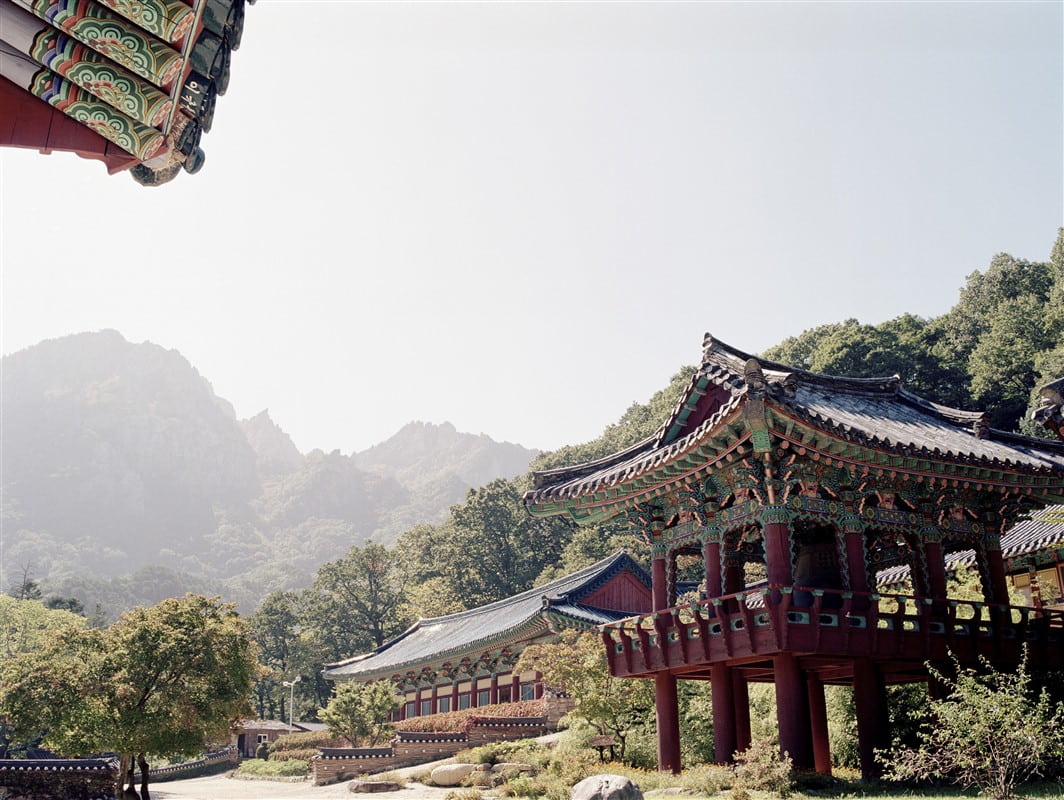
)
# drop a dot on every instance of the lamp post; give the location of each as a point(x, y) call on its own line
point(291, 697)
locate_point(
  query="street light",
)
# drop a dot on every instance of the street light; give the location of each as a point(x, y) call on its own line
point(291, 698)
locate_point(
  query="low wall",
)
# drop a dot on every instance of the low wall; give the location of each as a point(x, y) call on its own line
point(209, 764)
point(58, 778)
point(409, 748)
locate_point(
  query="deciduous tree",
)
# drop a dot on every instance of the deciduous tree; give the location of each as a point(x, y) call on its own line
point(359, 711)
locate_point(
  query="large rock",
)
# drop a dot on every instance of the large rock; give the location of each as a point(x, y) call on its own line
point(451, 774)
point(361, 787)
point(606, 787)
point(512, 766)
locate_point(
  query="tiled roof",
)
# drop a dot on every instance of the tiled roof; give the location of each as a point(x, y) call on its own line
point(132, 84)
point(438, 636)
point(874, 412)
point(1044, 530)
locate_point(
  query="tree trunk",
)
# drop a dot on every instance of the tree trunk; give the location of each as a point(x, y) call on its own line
point(145, 769)
point(120, 778)
point(130, 792)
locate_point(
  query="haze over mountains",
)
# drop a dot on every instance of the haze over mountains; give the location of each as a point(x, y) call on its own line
point(126, 480)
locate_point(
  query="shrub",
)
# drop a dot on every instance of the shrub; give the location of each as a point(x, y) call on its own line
point(305, 740)
point(708, 779)
point(465, 719)
point(762, 768)
point(273, 769)
point(262, 751)
point(465, 793)
point(294, 755)
point(991, 732)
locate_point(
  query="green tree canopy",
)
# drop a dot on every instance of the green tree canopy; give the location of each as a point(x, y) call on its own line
point(164, 680)
point(359, 711)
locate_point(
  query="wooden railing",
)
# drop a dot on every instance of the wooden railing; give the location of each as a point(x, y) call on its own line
point(773, 619)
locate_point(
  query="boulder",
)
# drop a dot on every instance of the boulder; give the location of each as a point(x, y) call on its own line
point(451, 774)
point(606, 787)
point(373, 786)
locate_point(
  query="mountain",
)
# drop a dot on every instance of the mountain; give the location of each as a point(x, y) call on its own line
point(423, 454)
point(124, 473)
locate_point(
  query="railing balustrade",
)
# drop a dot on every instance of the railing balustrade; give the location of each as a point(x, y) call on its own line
point(769, 617)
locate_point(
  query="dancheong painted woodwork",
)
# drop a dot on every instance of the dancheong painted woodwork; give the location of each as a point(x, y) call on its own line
point(800, 527)
point(132, 84)
point(467, 660)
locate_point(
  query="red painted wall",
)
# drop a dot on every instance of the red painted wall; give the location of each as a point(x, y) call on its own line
point(624, 592)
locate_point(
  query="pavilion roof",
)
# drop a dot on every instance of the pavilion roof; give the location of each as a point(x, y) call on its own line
point(862, 414)
point(132, 85)
point(437, 638)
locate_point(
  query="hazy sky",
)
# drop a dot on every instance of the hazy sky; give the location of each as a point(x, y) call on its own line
point(522, 217)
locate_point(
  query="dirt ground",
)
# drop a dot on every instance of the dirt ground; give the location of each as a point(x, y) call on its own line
point(219, 787)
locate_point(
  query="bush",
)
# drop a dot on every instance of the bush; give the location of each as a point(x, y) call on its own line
point(465, 793)
point(462, 721)
point(708, 779)
point(273, 769)
point(529, 752)
point(991, 732)
point(262, 751)
point(294, 755)
point(762, 768)
point(305, 740)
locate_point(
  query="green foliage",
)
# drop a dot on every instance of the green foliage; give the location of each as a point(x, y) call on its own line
point(262, 751)
point(577, 664)
point(761, 767)
point(257, 768)
point(359, 711)
point(991, 732)
point(26, 625)
point(162, 680)
point(302, 740)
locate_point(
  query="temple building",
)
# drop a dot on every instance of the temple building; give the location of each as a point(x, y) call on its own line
point(466, 660)
point(771, 499)
point(131, 84)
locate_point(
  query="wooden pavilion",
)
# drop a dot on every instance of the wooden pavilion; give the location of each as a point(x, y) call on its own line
point(783, 494)
point(131, 84)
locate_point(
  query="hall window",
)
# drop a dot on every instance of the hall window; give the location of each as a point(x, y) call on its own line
point(463, 700)
point(444, 704)
point(484, 697)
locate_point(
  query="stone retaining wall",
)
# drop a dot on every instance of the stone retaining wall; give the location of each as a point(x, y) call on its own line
point(409, 748)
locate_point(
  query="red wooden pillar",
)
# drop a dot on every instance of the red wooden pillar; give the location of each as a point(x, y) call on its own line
point(493, 692)
point(936, 574)
point(434, 702)
point(873, 723)
point(714, 581)
point(818, 721)
point(777, 536)
point(402, 707)
point(999, 586)
point(724, 743)
point(792, 710)
point(741, 693)
point(454, 695)
point(539, 686)
point(659, 582)
point(668, 714)
point(515, 687)
point(474, 690)
point(857, 568)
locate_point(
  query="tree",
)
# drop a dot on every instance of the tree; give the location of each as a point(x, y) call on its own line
point(577, 665)
point(356, 601)
point(162, 681)
point(359, 711)
point(25, 625)
point(992, 732)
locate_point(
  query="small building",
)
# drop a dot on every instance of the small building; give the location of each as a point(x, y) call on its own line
point(252, 732)
point(466, 660)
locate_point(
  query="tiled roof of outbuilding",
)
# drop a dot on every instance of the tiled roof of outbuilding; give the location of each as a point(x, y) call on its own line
point(438, 636)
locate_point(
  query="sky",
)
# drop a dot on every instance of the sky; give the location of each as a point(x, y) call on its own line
point(522, 217)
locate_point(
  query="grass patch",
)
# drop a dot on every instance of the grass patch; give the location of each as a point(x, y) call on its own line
point(257, 768)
